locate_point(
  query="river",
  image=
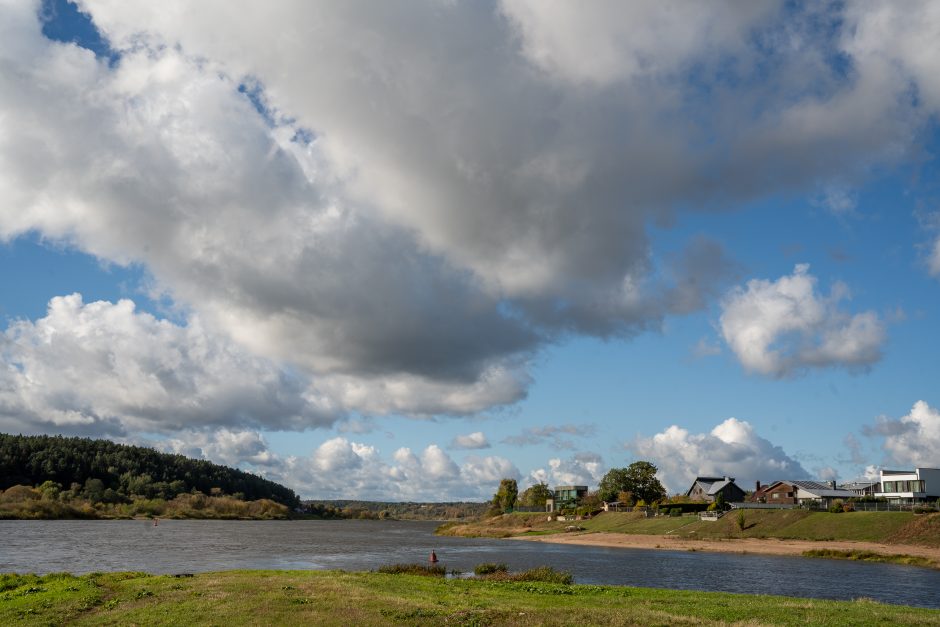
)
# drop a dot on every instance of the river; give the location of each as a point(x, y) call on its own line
point(186, 546)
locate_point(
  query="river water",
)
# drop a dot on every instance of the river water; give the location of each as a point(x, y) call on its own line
point(187, 546)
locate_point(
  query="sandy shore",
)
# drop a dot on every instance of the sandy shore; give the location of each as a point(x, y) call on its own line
point(768, 546)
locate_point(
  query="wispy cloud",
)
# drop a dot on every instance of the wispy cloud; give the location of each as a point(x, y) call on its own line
point(555, 436)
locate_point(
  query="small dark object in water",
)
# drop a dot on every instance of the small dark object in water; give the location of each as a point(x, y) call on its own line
point(433, 558)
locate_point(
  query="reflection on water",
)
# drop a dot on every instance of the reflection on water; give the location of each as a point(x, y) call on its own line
point(178, 546)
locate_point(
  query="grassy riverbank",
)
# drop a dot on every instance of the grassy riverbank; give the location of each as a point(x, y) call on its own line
point(885, 527)
point(340, 598)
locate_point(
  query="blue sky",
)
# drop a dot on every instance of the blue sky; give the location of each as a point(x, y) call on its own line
point(430, 248)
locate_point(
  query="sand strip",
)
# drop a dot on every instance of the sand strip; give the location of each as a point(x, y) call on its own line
point(768, 546)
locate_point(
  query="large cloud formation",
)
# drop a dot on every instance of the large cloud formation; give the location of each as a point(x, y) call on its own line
point(780, 327)
point(912, 440)
point(341, 468)
point(733, 448)
point(404, 202)
point(103, 368)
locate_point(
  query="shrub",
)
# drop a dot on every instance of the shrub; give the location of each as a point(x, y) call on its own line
point(428, 570)
point(742, 520)
point(488, 568)
point(675, 511)
point(835, 508)
point(545, 574)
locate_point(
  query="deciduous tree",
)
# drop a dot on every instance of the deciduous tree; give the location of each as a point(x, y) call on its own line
point(505, 497)
point(639, 478)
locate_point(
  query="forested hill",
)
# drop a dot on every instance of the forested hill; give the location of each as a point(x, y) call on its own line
point(124, 471)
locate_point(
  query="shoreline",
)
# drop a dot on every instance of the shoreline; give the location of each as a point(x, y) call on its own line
point(762, 546)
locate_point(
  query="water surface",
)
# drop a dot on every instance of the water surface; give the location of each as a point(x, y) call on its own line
point(188, 546)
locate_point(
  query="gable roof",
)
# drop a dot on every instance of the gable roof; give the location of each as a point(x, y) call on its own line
point(718, 486)
point(713, 485)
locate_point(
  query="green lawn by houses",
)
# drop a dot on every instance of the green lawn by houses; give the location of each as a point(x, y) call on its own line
point(342, 598)
point(887, 527)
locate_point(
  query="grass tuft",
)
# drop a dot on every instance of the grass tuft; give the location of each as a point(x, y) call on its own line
point(870, 556)
point(545, 574)
point(427, 570)
point(488, 568)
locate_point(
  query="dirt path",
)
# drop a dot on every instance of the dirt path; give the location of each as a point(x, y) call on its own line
point(768, 546)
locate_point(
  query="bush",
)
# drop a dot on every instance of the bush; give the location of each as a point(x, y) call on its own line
point(545, 574)
point(488, 568)
point(428, 570)
point(675, 511)
point(835, 508)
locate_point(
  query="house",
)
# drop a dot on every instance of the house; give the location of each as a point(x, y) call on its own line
point(708, 488)
point(910, 486)
point(862, 487)
point(778, 492)
point(565, 496)
point(819, 493)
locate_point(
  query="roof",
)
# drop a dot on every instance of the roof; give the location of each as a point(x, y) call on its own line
point(855, 485)
point(818, 488)
point(713, 485)
point(718, 486)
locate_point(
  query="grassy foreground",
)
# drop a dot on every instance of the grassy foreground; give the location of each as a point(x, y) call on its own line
point(341, 598)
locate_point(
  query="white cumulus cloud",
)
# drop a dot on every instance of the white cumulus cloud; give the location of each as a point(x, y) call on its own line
point(475, 440)
point(778, 328)
point(733, 448)
point(912, 440)
point(579, 469)
point(105, 368)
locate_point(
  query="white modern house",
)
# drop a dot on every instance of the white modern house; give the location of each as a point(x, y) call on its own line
point(910, 486)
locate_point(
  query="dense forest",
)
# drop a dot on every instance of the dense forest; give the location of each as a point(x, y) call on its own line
point(106, 472)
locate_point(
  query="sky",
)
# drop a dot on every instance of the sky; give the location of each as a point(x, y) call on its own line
point(401, 251)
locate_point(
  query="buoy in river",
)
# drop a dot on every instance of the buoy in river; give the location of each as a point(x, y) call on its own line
point(433, 558)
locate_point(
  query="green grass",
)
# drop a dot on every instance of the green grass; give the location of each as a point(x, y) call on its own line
point(629, 522)
point(341, 598)
point(425, 570)
point(863, 526)
point(888, 527)
point(869, 556)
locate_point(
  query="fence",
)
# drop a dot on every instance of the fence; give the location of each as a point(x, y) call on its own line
point(889, 506)
point(749, 505)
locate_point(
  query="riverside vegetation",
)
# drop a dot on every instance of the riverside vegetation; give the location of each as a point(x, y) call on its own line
point(343, 598)
point(793, 524)
point(43, 477)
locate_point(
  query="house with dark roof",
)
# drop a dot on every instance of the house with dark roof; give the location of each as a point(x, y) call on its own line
point(708, 488)
point(821, 493)
point(776, 493)
point(862, 487)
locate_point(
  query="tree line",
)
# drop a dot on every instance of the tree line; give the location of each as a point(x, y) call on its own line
point(104, 471)
point(636, 484)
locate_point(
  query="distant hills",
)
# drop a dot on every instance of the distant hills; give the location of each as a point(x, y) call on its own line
point(105, 471)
